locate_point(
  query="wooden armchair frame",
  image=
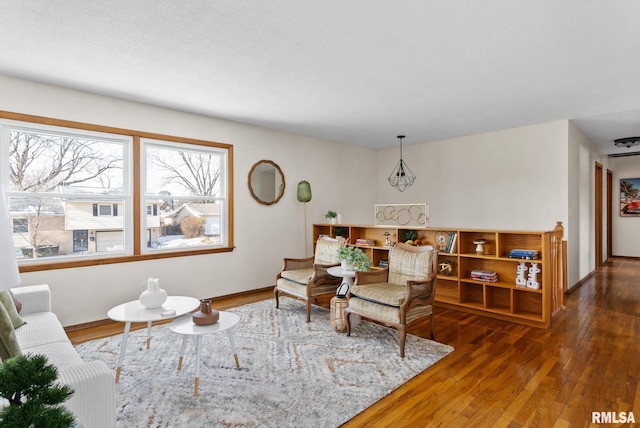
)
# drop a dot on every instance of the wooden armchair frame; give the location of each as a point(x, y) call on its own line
point(320, 282)
point(418, 293)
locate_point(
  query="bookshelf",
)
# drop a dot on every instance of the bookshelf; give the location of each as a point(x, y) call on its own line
point(455, 288)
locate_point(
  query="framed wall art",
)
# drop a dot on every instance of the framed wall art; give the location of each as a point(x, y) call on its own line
point(630, 197)
point(401, 215)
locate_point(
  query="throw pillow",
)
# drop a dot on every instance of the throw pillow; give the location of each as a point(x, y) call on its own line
point(9, 346)
point(7, 301)
point(16, 302)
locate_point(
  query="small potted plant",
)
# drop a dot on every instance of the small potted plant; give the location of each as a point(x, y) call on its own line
point(353, 258)
point(332, 216)
point(340, 231)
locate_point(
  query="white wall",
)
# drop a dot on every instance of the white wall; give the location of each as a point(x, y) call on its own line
point(583, 156)
point(521, 178)
point(509, 179)
point(342, 178)
point(625, 229)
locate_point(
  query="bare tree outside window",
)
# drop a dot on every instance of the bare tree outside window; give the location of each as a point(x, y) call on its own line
point(42, 164)
point(189, 173)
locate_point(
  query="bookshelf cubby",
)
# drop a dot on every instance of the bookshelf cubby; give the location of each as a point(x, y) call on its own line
point(456, 290)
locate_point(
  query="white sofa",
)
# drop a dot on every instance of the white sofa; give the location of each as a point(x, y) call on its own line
point(93, 402)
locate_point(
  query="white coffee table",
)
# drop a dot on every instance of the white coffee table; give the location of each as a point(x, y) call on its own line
point(187, 328)
point(133, 311)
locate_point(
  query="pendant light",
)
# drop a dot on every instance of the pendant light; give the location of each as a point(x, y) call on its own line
point(402, 177)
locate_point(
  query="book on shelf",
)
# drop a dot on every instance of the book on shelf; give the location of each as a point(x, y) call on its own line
point(484, 275)
point(362, 241)
point(451, 242)
point(523, 254)
point(452, 247)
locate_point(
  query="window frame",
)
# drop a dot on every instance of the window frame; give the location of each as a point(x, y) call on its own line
point(132, 236)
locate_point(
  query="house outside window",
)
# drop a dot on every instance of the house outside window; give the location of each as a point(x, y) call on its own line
point(64, 181)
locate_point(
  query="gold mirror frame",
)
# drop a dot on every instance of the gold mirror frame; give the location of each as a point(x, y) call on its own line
point(264, 167)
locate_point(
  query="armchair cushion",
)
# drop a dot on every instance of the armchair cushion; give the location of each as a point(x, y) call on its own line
point(383, 292)
point(299, 276)
point(408, 265)
point(327, 251)
point(386, 312)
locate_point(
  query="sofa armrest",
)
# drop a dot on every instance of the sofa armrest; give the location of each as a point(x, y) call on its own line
point(94, 399)
point(34, 298)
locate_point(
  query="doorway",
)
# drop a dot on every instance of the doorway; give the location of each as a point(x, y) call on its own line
point(598, 214)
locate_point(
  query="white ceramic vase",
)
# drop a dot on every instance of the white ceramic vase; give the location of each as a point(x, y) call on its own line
point(153, 296)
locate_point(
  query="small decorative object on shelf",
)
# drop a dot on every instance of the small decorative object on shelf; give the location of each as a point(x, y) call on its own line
point(532, 282)
point(521, 281)
point(153, 296)
point(205, 315)
point(409, 237)
point(332, 216)
point(441, 238)
point(387, 241)
point(480, 245)
point(446, 268)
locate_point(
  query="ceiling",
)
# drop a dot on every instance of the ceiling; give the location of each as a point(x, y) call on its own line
point(353, 71)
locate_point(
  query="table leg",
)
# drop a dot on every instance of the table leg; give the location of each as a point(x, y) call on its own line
point(233, 347)
point(349, 280)
point(184, 346)
point(197, 383)
point(123, 347)
point(148, 334)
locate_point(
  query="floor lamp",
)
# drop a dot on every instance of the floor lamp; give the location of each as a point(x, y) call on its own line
point(304, 196)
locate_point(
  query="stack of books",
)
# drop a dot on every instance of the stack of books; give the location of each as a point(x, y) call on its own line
point(383, 263)
point(523, 254)
point(362, 241)
point(484, 275)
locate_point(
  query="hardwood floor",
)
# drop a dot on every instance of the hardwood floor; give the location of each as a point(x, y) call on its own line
point(509, 375)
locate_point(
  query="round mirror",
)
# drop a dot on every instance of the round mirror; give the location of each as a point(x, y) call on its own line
point(266, 182)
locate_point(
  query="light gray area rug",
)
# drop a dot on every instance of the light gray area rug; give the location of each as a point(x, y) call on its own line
point(292, 373)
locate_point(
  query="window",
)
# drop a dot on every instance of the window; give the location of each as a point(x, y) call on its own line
point(107, 210)
point(71, 192)
point(20, 225)
point(186, 181)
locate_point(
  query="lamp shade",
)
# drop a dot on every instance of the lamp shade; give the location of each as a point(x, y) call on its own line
point(304, 191)
point(9, 274)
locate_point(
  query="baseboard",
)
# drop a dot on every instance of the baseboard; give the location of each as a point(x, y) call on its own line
point(106, 321)
point(577, 285)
